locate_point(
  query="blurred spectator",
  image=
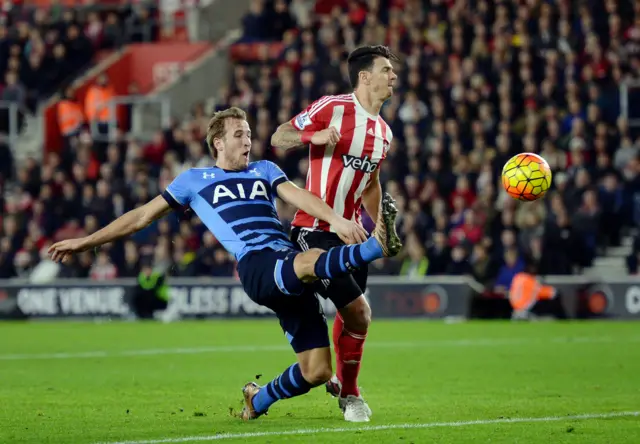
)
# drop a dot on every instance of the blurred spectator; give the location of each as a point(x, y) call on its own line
point(96, 104)
point(254, 23)
point(151, 294)
point(513, 264)
point(416, 263)
point(458, 264)
point(587, 223)
point(611, 196)
point(140, 25)
point(483, 267)
point(14, 91)
point(71, 116)
point(438, 254)
point(281, 20)
point(527, 296)
point(103, 269)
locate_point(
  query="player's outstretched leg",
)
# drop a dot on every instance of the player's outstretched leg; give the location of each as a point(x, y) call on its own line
point(384, 242)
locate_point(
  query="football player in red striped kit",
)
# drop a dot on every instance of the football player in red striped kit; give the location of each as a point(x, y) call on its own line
point(348, 139)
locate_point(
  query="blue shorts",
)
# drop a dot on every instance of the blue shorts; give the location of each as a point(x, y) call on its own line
point(301, 316)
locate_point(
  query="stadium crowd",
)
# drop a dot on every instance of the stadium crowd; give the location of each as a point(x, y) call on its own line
point(480, 81)
point(44, 49)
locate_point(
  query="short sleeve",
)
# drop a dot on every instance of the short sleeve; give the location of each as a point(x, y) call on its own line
point(275, 175)
point(179, 192)
point(314, 117)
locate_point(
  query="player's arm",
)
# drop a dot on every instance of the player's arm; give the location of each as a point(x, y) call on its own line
point(302, 199)
point(307, 202)
point(312, 125)
point(287, 137)
point(372, 195)
point(129, 223)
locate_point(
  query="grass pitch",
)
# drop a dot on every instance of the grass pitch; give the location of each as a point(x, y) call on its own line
point(473, 382)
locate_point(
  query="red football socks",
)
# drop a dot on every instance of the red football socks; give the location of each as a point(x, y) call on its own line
point(338, 326)
point(348, 346)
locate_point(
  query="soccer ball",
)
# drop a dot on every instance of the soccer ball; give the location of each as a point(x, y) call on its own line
point(526, 176)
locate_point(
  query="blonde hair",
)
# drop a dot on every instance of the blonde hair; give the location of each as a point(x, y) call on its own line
point(215, 129)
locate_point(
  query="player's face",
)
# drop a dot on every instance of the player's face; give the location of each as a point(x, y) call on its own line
point(382, 78)
point(237, 144)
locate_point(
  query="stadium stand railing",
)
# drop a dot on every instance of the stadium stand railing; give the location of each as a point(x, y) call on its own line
point(138, 108)
point(12, 113)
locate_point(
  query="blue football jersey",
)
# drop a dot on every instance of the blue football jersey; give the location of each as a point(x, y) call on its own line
point(238, 207)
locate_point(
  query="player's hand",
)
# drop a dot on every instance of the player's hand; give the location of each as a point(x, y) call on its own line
point(350, 232)
point(329, 136)
point(63, 250)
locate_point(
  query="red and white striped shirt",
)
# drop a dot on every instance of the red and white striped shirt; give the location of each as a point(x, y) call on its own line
point(340, 174)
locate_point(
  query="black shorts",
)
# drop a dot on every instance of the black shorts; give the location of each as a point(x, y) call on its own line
point(301, 316)
point(341, 290)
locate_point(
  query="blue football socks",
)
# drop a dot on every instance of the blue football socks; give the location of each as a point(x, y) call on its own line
point(342, 260)
point(288, 385)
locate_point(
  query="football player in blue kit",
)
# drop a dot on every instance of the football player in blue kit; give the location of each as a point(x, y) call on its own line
point(236, 201)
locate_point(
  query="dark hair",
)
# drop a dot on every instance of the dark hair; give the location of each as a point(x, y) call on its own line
point(216, 129)
point(361, 59)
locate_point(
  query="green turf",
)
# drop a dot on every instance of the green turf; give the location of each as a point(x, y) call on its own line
point(414, 372)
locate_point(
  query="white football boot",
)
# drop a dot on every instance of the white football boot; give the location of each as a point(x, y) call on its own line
point(354, 408)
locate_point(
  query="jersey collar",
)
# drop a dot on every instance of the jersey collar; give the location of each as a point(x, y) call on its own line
point(361, 108)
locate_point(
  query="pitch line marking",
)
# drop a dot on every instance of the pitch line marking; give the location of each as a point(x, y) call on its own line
point(428, 425)
point(487, 342)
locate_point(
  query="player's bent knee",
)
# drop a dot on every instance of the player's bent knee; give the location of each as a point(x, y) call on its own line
point(304, 264)
point(315, 365)
point(357, 315)
point(318, 374)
